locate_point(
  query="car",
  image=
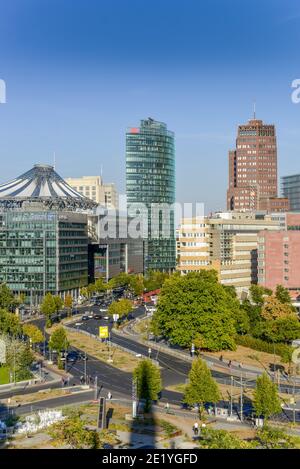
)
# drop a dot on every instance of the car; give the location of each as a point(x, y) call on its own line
point(106, 318)
point(91, 315)
point(84, 318)
point(73, 356)
point(103, 310)
point(78, 323)
point(97, 316)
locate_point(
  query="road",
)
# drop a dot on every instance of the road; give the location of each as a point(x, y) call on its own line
point(173, 369)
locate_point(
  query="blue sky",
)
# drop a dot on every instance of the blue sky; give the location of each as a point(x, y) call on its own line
point(79, 72)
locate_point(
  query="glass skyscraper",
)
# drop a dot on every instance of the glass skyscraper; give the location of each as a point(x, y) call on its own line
point(291, 189)
point(150, 180)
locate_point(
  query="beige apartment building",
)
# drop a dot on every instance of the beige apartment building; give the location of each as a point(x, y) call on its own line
point(94, 188)
point(226, 242)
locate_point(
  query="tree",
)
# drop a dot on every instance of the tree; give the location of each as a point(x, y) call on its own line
point(59, 342)
point(72, 431)
point(258, 294)
point(266, 400)
point(136, 283)
point(9, 323)
point(197, 304)
point(283, 295)
point(33, 332)
point(68, 303)
point(100, 286)
point(122, 307)
point(274, 309)
point(254, 314)
point(48, 308)
point(283, 329)
point(84, 292)
point(59, 303)
point(19, 358)
point(148, 380)
point(202, 388)
point(7, 299)
point(275, 438)
point(155, 279)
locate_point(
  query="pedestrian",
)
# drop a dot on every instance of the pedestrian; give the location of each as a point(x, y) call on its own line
point(229, 363)
point(109, 396)
point(81, 379)
point(240, 365)
point(196, 428)
point(167, 407)
point(221, 358)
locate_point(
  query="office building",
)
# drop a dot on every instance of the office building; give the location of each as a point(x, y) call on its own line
point(94, 188)
point(150, 180)
point(226, 242)
point(290, 186)
point(279, 256)
point(253, 183)
point(43, 235)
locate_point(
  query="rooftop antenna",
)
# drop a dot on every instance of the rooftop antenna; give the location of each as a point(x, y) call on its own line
point(254, 109)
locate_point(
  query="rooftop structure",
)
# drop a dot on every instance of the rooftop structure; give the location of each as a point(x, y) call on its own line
point(41, 185)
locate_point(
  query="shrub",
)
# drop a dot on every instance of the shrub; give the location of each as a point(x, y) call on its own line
point(283, 350)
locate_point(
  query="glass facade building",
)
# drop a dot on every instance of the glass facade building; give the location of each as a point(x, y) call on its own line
point(43, 235)
point(150, 180)
point(291, 190)
point(43, 252)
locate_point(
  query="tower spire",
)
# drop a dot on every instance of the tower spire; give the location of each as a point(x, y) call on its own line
point(254, 109)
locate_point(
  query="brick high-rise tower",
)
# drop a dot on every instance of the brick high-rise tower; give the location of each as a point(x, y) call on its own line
point(253, 181)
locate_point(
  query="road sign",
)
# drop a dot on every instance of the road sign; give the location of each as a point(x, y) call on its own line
point(103, 332)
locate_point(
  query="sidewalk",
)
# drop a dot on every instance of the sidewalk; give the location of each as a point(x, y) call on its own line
point(250, 370)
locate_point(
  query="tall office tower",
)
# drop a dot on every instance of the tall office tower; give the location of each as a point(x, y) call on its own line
point(253, 169)
point(150, 180)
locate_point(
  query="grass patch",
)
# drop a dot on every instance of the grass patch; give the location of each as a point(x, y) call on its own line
point(122, 360)
point(4, 375)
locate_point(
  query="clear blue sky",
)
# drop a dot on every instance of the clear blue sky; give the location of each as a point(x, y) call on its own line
point(79, 72)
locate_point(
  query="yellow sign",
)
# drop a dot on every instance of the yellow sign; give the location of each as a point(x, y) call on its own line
point(103, 332)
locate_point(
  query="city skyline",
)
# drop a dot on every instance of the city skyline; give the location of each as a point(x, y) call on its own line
point(80, 91)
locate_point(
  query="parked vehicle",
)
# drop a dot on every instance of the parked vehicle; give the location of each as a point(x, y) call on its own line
point(97, 316)
point(84, 318)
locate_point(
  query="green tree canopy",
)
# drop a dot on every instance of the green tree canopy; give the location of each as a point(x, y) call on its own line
point(281, 330)
point(68, 302)
point(59, 342)
point(59, 303)
point(197, 304)
point(122, 307)
point(258, 294)
point(33, 332)
point(7, 299)
point(275, 438)
point(9, 323)
point(266, 400)
point(155, 279)
point(282, 294)
point(202, 388)
point(48, 307)
point(148, 379)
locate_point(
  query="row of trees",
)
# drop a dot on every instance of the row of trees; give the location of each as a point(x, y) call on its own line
point(136, 283)
point(196, 308)
point(202, 388)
